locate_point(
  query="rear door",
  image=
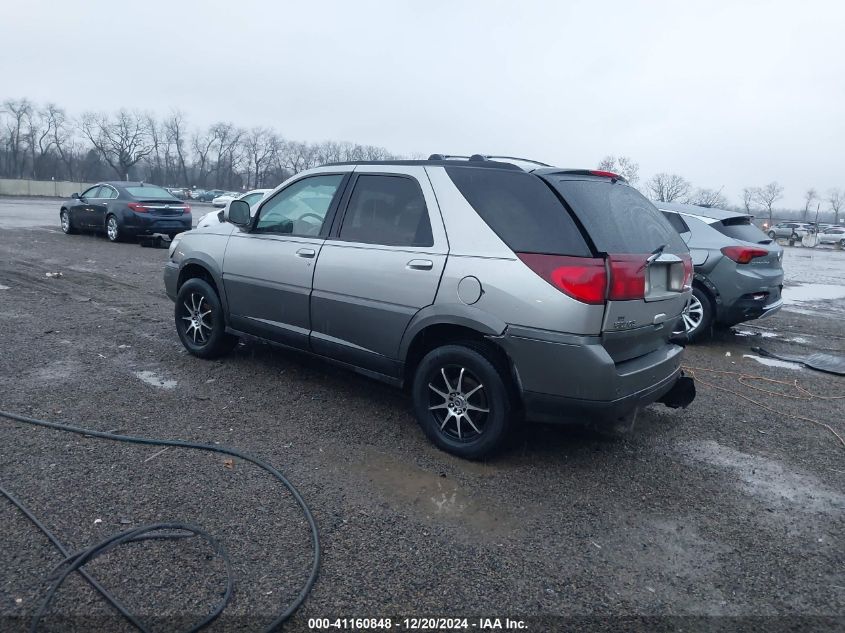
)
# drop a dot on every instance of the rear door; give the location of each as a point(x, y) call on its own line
point(268, 270)
point(648, 262)
point(380, 266)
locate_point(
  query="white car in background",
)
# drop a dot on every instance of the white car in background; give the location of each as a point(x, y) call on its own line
point(832, 235)
point(224, 199)
point(216, 217)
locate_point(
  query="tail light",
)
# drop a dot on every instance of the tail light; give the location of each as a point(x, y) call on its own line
point(582, 278)
point(743, 254)
point(137, 207)
point(688, 271)
point(187, 208)
point(627, 277)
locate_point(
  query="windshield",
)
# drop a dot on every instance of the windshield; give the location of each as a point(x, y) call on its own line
point(618, 218)
point(149, 192)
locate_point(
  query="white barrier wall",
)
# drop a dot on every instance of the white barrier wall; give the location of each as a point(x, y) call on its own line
point(54, 188)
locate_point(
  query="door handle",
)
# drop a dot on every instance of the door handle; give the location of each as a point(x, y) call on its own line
point(306, 252)
point(420, 264)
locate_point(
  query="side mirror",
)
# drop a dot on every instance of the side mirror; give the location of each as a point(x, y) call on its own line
point(237, 213)
point(75, 196)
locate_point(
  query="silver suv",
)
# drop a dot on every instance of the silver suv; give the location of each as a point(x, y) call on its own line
point(493, 293)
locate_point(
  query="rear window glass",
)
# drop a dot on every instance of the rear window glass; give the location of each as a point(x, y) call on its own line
point(521, 210)
point(741, 229)
point(149, 192)
point(618, 218)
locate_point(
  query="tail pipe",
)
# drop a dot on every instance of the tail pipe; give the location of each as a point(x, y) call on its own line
point(681, 394)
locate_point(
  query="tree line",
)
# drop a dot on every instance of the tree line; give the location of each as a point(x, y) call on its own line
point(669, 187)
point(43, 142)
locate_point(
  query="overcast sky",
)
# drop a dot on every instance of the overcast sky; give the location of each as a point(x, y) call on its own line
point(724, 93)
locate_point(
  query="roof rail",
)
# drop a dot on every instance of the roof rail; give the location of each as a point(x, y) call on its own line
point(483, 157)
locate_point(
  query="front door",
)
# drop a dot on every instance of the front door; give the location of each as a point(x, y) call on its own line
point(268, 270)
point(379, 268)
point(83, 211)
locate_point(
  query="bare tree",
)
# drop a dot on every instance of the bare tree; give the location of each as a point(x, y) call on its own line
point(63, 139)
point(121, 142)
point(202, 146)
point(711, 198)
point(835, 197)
point(809, 197)
point(767, 196)
point(622, 165)
point(39, 139)
point(668, 187)
point(18, 111)
point(174, 127)
point(296, 156)
point(260, 144)
point(749, 198)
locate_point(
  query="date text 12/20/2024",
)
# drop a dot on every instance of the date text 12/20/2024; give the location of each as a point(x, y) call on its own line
point(418, 624)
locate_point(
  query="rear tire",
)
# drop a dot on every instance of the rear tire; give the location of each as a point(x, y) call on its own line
point(113, 230)
point(699, 316)
point(200, 322)
point(463, 400)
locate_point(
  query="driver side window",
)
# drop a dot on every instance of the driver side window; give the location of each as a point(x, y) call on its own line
point(299, 209)
point(91, 193)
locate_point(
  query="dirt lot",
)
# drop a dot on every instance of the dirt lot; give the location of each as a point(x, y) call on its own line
point(725, 510)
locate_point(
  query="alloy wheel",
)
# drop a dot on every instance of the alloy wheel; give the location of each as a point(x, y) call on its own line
point(197, 317)
point(65, 219)
point(458, 402)
point(693, 315)
point(111, 228)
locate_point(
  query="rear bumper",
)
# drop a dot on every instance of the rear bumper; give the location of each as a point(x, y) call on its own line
point(572, 379)
point(747, 309)
point(147, 224)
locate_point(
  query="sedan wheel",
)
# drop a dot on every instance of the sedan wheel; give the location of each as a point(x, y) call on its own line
point(112, 229)
point(67, 228)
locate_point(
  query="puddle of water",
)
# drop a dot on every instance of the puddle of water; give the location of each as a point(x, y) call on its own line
point(153, 379)
point(768, 479)
point(2, 287)
point(762, 333)
point(774, 362)
point(434, 496)
point(812, 292)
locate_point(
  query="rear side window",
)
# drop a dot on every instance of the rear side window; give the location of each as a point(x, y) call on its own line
point(741, 229)
point(618, 218)
point(521, 210)
point(676, 221)
point(387, 210)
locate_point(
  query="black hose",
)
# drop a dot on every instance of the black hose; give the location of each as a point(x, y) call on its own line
point(74, 562)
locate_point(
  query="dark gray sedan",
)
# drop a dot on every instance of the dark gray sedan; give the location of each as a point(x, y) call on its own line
point(738, 268)
point(123, 210)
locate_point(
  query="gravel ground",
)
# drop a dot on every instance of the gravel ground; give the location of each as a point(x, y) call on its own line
point(726, 509)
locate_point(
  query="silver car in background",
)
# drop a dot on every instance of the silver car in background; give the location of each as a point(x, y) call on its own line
point(492, 293)
point(738, 268)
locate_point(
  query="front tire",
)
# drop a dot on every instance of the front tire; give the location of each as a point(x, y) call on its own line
point(200, 322)
point(773, 235)
point(67, 227)
point(463, 400)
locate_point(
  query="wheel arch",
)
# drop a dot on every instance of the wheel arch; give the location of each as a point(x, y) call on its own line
point(195, 267)
point(436, 326)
